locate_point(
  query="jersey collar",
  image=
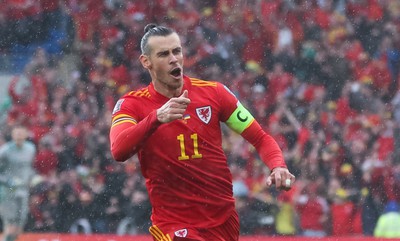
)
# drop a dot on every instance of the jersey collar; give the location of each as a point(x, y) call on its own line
point(159, 97)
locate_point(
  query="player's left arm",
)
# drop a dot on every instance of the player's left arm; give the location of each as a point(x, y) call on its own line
point(271, 154)
point(6, 180)
point(241, 121)
point(3, 165)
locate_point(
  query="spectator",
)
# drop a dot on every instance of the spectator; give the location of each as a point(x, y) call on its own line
point(46, 162)
point(345, 215)
point(388, 222)
point(313, 211)
point(286, 219)
point(16, 167)
point(139, 210)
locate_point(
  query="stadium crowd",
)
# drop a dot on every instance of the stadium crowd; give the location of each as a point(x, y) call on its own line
point(321, 76)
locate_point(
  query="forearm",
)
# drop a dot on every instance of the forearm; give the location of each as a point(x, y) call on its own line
point(268, 149)
point(11, 90)
point(126, 138)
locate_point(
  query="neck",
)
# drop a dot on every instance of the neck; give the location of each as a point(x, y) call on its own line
point(167, 90)
point(19, 144)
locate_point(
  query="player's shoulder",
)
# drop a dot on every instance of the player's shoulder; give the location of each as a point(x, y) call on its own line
point(210, 86)
point(203, 83)
point(4, 147)
point(132, 98)
point(139, 93)
point(30, 145)
point(8, 147)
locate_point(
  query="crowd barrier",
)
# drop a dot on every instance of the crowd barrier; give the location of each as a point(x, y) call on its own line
point(74, 237)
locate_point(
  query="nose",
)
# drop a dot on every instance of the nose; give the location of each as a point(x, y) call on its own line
point(173, 59)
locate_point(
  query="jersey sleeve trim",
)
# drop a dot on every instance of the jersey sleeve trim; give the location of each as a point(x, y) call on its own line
point(122, 118)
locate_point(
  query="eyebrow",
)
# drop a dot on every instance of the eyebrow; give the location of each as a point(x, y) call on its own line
point(167, 51)
point(162, 52)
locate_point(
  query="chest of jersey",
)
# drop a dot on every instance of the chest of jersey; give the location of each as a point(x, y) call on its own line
point(192, 138)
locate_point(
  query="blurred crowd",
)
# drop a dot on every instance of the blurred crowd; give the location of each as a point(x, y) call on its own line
point(321, 76)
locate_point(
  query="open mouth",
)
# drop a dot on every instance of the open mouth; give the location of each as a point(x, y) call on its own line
point(176, 72)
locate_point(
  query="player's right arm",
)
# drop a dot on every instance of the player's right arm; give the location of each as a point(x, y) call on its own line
point(127, 133)
point(3, 165)
point(11, 89)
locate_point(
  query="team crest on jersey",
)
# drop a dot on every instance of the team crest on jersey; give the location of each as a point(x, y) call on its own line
point(181, 233)
point(117, 106)
point(204, 113)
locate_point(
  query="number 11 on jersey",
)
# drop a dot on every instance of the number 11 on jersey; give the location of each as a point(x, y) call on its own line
point(184, 156)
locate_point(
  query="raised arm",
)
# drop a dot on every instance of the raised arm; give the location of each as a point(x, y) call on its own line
point(127, 134)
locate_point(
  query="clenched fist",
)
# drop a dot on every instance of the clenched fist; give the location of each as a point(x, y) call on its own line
point(174, 108)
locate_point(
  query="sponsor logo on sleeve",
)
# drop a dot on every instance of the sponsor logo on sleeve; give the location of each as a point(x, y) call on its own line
point(117, 106)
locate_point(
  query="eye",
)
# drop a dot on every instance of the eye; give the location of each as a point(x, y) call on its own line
point(177, 51)
point(163, 54)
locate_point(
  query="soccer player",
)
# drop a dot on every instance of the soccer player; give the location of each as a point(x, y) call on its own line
point(16, 171)
point(173, 125)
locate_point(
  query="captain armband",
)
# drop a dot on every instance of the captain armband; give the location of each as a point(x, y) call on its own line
point(240, 119)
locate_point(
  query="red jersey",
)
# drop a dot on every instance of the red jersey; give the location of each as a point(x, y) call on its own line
point(186, 171)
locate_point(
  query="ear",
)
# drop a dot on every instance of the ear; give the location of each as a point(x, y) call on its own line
point(144, 59)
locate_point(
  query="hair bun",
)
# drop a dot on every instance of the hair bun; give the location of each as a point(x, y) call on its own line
point(149, 26)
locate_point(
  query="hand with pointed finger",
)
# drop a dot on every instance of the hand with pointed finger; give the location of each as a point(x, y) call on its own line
point(282, 179)
point(174, 108)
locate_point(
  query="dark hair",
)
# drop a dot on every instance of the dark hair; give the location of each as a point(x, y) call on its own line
point(150, 30)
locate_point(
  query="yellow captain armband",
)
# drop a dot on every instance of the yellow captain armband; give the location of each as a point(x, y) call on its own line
point(240, 119)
